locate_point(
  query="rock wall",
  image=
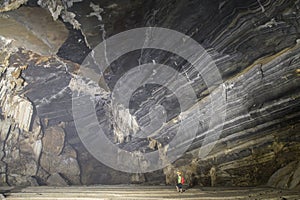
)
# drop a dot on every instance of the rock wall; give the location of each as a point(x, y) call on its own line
point(30, 153)
point(20, 132)
point(256, 48)
point(260, 134)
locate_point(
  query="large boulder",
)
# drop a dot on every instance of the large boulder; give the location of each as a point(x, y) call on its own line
point(59, 157)
point(53, 141)
point(56, 180)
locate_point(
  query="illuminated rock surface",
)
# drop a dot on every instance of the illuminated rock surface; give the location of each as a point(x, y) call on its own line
point(255, 45)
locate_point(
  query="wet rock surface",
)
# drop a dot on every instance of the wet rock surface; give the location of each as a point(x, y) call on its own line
point(256, 48)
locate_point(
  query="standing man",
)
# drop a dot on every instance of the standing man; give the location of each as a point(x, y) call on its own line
point(180, 182)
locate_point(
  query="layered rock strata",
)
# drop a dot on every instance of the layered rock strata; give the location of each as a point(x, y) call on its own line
point(30, 152)
point(255, 45)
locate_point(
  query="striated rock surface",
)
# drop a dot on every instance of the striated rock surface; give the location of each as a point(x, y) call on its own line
point(256, 48)
point(20, 136)
point(287, 177)
point(255, 45)
point(249, 152)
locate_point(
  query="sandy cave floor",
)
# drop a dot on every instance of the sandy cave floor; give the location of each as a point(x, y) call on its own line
point(131, 192)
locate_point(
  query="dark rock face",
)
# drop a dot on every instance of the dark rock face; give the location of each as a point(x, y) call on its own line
point(32, 150)
point(256, 47)
point(286, 177)
point(253, 142)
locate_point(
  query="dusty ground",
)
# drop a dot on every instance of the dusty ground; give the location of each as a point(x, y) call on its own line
point(132, 192)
